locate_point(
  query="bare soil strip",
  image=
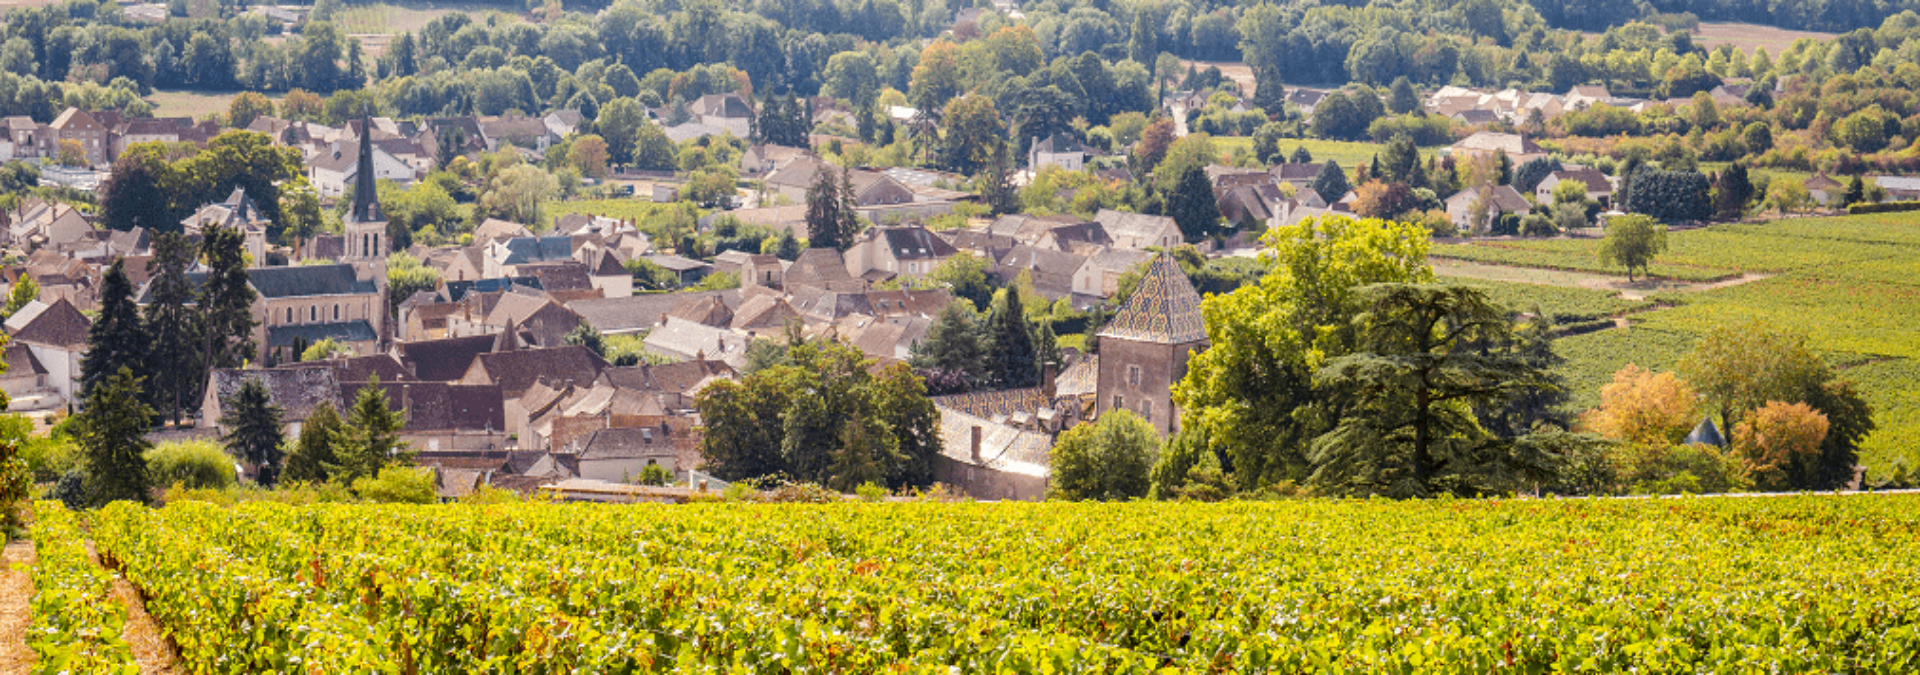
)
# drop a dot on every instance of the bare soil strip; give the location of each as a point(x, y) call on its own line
point(150, 648)
point(16, 592)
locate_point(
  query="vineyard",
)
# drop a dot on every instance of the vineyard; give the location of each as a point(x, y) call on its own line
point(1850, 284)
point(1793, 584)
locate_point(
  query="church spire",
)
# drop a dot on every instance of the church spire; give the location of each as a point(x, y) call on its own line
point(366, 197)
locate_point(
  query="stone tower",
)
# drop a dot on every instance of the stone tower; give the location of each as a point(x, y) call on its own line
point(1144, 349)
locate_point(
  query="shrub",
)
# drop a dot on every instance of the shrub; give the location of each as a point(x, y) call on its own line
point(50, 458)
point(488, 494)
point(194, 464)
point(870, 492)
point(293, 494)
point(398, 485)
point(1885, 207)
point(654, 474)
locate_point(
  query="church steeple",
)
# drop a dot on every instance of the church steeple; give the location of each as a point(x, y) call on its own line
point(366, 229)
point(366, 197)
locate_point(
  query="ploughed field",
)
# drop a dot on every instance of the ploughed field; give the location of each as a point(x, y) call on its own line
point(1780, 584)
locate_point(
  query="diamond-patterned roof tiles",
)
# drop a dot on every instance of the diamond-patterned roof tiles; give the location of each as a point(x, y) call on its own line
point(1163, 309)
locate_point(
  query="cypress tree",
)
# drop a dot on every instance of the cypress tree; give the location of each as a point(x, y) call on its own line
point(226, 301)
point(823, 212)
point(313, 454)
point(112, 436)
point(253, 430)
point(178, 371)
point(1011, 360)
point(1331, 182)
point(118, 339)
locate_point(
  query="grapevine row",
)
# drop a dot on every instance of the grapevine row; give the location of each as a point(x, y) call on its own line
point(76, 620)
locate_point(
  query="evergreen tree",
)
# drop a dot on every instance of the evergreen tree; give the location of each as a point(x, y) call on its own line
point(371, 439)
point(1856, 192)
point(1269, 94)
point(1331, 182)
point(996, 181)
point(830, 223)
point(226, 300)
point(1301, 155)
point(449, 143)
point(112, 433)
point(313, 453)
point(1144, 45)
point(1011, 360)
point(178, 372)
point(955, 346)
point(1732, 190)
point(404, 60)
point(253, 430)
point(117, 339)
point(1192, 206)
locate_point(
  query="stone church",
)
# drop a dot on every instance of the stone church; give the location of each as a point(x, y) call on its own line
point(1145, 347)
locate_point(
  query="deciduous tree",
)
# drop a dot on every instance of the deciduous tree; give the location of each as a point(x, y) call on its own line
point(1632, 242)
point(1776, 436)
point(1644, 407)
point(1108, 460)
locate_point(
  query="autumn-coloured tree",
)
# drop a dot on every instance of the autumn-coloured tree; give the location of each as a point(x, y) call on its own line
point(1774, 437)
point(1154, 143)
point(1644, 407)
point(1383, 200)
point(589, 154)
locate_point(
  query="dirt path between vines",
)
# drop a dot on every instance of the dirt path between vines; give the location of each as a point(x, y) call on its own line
point(16, 590)
point(150, 648)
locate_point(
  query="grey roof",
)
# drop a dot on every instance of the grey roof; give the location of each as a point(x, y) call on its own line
point(624, 444)
point(297, 390)
point(522, 250)
point(458, 290)
point(59, 324)
point(446, 359)
point(916, 243)
point(639, 312)
point(302, 280)
point(308, 333)
point(1706, 434)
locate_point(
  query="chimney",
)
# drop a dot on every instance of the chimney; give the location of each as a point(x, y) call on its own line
point(663, 318)
point(406, 397)
point(976, 444)
point(1046, 380)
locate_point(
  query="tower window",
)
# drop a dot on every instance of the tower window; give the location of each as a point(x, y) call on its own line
point(313, 313)
point(1133, 376)
point(1118, 403)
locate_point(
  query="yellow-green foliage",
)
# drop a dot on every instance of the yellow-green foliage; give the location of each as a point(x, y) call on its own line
point(398, 485)
point(193, 464)
point(76, 620)
point(1665, 586)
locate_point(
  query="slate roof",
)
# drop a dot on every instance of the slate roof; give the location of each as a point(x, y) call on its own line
point(1706, 434)
point(916, 243)
point(21, 362)
point(705, 310)
point(302, 281)
point(1121, 225)
point(458, 290)
point(820, 268)
point(493, 229)
point(523, 250)
point(670, 378)
point(59, 325)
point(443, 406)
point(305, 334)
point(624, 444)
point(763, 312)
point(1163, 309)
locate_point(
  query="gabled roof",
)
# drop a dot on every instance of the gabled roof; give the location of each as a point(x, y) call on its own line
point(1003, 403)
point(1488, 141)
point(523, 250)
point(1706, 434)
point(915, 243)
point(302, 281)
point(705, 310)
point(820, 268)
point(1164, 309)
point(297, 390)
point(59, 325)
point(629, 314)
point(1122, 225)
point(763, 312)
point(21, 362)
point(1591, 177)
point(1002, 448)
point(515, 371)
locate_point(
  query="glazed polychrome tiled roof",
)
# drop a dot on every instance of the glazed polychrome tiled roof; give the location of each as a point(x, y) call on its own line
point(1164, 308)
point(988, 404)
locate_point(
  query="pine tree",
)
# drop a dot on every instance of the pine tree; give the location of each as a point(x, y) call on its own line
point(955, 345)
point(1192, 206)
point(1856, 192)
point(372, 437)
point(226, 300)
point(178, 372)
point(996, 181)
point(313, 453)
point(117, 339)
point(112, 436)
point(253, 430)
point(1011, 360)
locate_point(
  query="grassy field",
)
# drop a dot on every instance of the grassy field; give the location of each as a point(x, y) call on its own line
point(1348, 153)
point(197, 105)
point(1850, 284)
point(1566, 305)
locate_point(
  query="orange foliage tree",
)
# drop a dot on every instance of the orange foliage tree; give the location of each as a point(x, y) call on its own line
point(1775, 436)
point(1644, 407)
